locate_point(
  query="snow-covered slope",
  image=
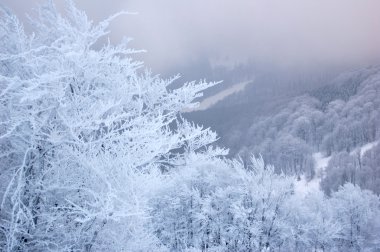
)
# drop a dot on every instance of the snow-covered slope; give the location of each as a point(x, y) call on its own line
point(302, 187)
point(363, 149)
point(212, 100)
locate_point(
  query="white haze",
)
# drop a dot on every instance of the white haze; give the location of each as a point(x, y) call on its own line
point(287, 33)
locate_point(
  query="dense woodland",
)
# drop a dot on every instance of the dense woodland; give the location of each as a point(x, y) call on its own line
point(336, 119)
point(336, 116)
point(96, 156)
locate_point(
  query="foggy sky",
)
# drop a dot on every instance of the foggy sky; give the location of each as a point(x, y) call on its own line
point(284, 32)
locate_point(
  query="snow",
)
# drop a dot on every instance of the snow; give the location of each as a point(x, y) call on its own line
point(304, 187)
point(321, 162)
point(363, 149)
point(212, 100)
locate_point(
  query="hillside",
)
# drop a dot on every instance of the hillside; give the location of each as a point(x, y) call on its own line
point(339, 116)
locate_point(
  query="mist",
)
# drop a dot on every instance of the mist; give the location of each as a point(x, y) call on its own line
point(294, 33)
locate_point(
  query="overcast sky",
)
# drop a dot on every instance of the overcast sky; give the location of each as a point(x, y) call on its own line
point(286, 32)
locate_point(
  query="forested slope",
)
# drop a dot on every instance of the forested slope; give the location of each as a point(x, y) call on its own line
point(334, 119)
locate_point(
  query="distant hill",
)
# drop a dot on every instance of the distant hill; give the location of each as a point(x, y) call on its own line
point(287, 127)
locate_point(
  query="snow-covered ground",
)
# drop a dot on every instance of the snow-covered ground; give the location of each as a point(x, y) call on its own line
point(363, 149)
point(212, 100)
point(303, 187)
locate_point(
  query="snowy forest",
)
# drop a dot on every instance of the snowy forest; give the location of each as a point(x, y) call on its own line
point(97, 154)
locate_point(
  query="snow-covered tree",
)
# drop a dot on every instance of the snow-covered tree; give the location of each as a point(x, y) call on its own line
point(222, 205)
point(82, 131)
point(357, 211)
